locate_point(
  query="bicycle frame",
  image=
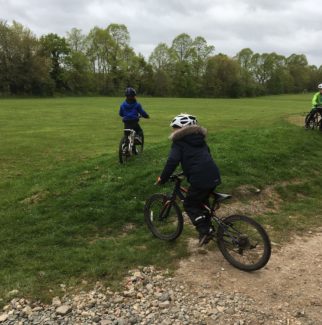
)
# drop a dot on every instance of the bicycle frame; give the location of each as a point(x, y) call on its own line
point(180, 192)
point(130, 134)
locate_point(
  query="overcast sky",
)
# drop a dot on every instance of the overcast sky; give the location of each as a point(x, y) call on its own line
point(281, 26)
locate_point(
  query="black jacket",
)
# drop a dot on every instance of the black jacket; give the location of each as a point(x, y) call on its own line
point(190, 149)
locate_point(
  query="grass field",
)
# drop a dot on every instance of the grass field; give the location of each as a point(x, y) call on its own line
point(70, 212)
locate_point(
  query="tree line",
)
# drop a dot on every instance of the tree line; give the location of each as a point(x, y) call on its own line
point(103, 63)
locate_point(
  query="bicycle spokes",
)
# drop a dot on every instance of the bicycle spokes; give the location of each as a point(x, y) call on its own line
point(165, 211)
point(163, 217)
point(244, 243)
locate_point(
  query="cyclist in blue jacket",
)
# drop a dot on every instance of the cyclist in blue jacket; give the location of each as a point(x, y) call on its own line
point(190, 149)
point(131, 111)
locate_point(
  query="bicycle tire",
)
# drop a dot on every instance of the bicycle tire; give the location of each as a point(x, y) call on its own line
point(310, 124)
point(315, 121)
point(141, 145)
point(319, 122)
point(123, 156)
point(237, 243)
point(168, 224)
point(306, 120)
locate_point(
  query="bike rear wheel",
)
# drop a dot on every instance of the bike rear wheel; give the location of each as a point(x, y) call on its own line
point(123, 151)
point(244, 243)
point(140, 143)
point(163, 217)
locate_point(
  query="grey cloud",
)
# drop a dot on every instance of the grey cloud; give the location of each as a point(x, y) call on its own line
point(282, 26)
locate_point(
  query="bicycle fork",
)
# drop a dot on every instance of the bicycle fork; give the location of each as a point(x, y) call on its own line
point(164, 213)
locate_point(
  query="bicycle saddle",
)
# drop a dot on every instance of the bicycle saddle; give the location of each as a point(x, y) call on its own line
point(219, 197)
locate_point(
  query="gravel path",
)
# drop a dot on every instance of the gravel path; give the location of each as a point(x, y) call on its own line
point(204, 290)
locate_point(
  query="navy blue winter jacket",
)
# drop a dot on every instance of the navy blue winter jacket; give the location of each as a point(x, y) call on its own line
point(190, 149)
point(131, 111)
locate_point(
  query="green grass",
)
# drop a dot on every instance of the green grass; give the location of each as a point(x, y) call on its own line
point(69, 211)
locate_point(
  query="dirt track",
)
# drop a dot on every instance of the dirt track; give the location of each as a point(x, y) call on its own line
point(290, 284)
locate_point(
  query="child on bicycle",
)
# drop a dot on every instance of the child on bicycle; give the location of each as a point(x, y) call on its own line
point(191, 150)
point(316, 106)
point(131, 111)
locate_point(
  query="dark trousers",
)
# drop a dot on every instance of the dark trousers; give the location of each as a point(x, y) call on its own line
point(193, 205)
point(134, 125)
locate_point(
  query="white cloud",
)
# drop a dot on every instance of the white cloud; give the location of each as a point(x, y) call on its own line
point(263, 25)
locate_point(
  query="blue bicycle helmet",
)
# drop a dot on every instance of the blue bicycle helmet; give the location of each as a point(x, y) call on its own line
point(130, 92)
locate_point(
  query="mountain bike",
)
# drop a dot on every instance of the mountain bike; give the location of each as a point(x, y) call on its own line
point(130, 144)
point(243, 242)
point(314, 122)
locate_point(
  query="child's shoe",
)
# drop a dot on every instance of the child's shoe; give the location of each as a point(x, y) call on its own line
point(207, 237)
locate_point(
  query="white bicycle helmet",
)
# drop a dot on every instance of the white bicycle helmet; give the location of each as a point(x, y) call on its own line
point(183, 119)
point(320, 86)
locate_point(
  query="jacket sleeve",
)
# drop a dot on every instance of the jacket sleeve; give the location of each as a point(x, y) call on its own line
point(315, 99)
point(121, 113)
point(173, 161)
point(142, 112)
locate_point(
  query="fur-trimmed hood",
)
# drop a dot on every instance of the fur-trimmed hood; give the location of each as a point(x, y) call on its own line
point(188, 130)
point(190, 149)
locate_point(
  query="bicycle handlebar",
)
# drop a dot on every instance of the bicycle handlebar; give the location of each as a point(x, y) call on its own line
point(174, 177)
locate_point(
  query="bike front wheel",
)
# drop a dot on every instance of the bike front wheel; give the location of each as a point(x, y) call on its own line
point(309, 123)
point(244, 243)
point(163, 217)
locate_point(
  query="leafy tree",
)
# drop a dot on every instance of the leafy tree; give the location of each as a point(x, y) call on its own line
point(182, 80)
point(181, 72)
point(140, 75)
point(122, 55)
point(161, 63)
point(103, 62)
point(278, 78)
point(77, 74)
point(111, 57)
point(244, 58)
point(182, 47)
point(76, 40)
point(222, 77)
point(23, 70)
point(160, 58)
point(298, 67)
point(264, 67)
point(162, 84)
point(99, 48)
point(56, 48)
point(200, 52)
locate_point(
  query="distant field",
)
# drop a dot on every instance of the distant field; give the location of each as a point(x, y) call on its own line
point(69, 211)
point(43, 133)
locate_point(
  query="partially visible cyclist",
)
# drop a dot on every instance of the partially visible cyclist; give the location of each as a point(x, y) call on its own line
point(316, 106)
point(191, 150)
point(131, 111)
